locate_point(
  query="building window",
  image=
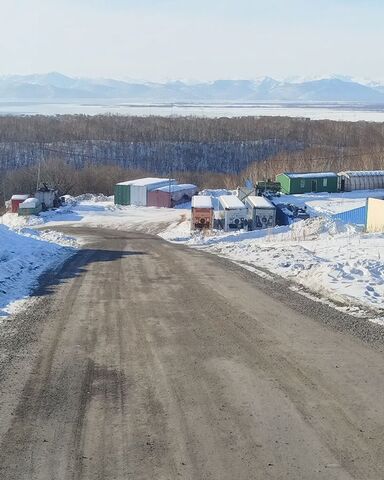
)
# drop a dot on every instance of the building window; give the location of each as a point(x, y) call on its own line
point(302, 183)
point(325, 182)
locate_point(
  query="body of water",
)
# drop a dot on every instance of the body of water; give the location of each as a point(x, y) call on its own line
point(318, 111)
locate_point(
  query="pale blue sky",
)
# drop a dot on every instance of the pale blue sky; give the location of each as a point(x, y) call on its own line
point(185, 39)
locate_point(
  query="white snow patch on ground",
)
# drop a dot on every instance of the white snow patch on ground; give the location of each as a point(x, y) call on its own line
point(24, 255)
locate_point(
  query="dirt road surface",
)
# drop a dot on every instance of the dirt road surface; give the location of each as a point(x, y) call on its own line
point(143, 360)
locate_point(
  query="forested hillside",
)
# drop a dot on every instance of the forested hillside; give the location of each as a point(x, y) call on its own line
point(196, 149)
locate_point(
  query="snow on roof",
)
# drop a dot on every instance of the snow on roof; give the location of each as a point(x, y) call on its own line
point(259, 202)
point(202, 201)
point(231, 202)
point(146, 181)
point(30, 203)
point(363, 173)
point(177, 188)
point(310, 174)
point(19, 197)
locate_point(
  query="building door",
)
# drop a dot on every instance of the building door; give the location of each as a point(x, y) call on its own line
point(342, 185)
point(313, 186)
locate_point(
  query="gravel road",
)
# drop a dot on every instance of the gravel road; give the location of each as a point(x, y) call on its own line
point(143, 360)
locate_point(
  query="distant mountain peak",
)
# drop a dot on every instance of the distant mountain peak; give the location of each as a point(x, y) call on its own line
point(55, 85)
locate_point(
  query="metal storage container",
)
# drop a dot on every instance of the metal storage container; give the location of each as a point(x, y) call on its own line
point(138, 195)
point(232, 213)
point(31, 206)
point(123, 193)
point(134, 192)
point(16, 200)
point(261, 213)
point(202, 212)
point(159, 198)
point(171, 195)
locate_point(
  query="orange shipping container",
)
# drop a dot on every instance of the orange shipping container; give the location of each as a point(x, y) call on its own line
point(202, 212)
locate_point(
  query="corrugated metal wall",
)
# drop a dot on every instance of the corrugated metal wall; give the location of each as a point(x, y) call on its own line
point(357, 216)
point(122, 194)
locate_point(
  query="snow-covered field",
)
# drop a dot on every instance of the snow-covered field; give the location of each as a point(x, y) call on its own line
point(322, 256)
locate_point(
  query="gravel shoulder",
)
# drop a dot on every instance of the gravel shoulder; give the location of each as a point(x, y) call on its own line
point(145, 360)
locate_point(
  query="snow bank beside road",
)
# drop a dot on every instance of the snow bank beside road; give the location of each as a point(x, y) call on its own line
point(24, 255)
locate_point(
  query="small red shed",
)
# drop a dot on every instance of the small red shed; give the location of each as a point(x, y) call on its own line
point(202, 212)
point(16, 200)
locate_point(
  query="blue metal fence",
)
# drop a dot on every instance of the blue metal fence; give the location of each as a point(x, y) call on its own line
point(357, 216)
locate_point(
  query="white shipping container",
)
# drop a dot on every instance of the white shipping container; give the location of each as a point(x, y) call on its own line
point(232, 213)
point(138, 195)
point(140, 187)
point(261, 212)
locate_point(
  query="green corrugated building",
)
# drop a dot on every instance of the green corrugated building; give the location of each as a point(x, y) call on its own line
point(307, 182)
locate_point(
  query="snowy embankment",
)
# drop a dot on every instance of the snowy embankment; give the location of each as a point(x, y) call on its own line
point(25, 254)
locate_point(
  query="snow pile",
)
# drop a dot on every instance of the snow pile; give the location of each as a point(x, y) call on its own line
point(91, 197)
point(24, 255)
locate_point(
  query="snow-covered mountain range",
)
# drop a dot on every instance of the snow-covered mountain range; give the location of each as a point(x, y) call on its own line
point(56, 86)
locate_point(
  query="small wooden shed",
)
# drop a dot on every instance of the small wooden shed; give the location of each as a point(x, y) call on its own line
point(16, 200)
point(202, 212)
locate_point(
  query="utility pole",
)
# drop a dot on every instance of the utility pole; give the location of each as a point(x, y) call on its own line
point(41, 156)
